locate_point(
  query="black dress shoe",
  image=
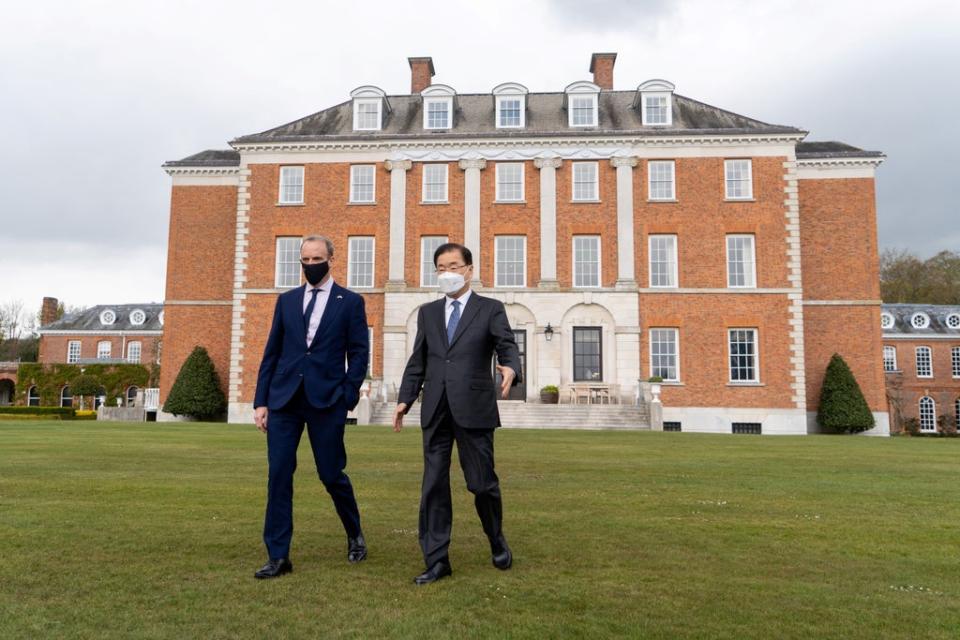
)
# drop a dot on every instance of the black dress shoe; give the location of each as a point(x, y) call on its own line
point(434, 573)
point(501, 555)
point(274, 568)
point(356, 548)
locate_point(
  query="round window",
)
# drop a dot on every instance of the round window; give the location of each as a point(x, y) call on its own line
point(886, 320)
point(953, 320)
point(108, 316)
point(920, 320)
point(138, 317)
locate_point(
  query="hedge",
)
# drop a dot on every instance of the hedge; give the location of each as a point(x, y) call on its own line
point(40, 411)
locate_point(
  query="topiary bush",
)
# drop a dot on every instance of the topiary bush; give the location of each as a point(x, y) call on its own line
point(842, 405)
point(196, 392)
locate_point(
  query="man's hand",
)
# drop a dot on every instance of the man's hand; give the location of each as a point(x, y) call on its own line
point(398, 416)
point(508, 375)
point(260, 418)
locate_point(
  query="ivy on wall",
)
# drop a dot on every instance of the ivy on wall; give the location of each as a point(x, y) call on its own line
point(51, 378)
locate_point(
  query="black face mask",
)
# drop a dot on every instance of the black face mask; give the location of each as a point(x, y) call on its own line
point(315, 272)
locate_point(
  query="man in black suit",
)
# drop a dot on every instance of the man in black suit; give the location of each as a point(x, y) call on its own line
point(302, 379)
point(457, 337)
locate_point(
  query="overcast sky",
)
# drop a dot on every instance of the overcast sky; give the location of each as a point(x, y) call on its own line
point(95, 95)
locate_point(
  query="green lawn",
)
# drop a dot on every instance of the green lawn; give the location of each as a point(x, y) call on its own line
point(129, 530)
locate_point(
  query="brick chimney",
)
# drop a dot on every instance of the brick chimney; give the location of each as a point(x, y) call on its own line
point(48, 311)
point(421, 72)
point(601, 66)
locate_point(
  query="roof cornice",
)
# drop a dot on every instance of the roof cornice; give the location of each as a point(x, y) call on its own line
point(201, 171)
point(838, 163)
point(390, 144)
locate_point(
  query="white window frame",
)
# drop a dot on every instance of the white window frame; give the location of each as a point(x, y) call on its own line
point(952, 321)
point(650, 182)
point(72, 357)
point(932, 414)
point(447, 102)
point(62, 397)
point(675, 270)
point(920, 320)
point(929, 361)
point(363, 102)
point(667, 98)
point(428, 272)
point(104, 349)
point(889, 358)
point(33, 396)
point(499, 195)
point(675, 355)
point(523, 116)
point(353, 280)
point(750, 276)
point(887, 320)
point(594, 102)
point(286, 172)
point(354, 182)
point(727, 165)
point(595, 182)
point(573, 257)
point(955, 361)
point(756, 355)
point(496, 261)
point(446, 181)
point(293, 279)
point(134, 355)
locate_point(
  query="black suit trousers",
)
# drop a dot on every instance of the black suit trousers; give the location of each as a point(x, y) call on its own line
point(475, 449)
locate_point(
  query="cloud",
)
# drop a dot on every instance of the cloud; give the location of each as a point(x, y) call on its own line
point(606, 16)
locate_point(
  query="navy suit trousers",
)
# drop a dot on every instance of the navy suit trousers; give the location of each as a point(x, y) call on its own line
point(325, 428)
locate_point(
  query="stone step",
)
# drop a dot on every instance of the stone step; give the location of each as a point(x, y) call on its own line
point(543, 416)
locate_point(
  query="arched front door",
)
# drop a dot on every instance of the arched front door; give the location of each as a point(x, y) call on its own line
point(6, 392)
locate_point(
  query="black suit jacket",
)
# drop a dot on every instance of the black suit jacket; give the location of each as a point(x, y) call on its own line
point(462, 366)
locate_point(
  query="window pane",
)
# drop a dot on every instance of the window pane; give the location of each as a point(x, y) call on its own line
point(584, 180)
point(587, 360)
point(428, 273)
point(743, 365)
point(291, 184)
point(510, 112)
point(103, 350)
point(656, 109)
point(661, 182)
point(663, 353)
point(889, 358)
point(586, 261)
point(133, 352)
point(955, 361)
point(438, 114)
point(361, 183)
point(582, 110)
point(510, 181)
point(511, 261)
point(434, 182)
point(360, 265)
point(740, 261)
point(288, 262)
point(73, 351)
point(928, 414)
point(368, 115)
point(924, 368)
point(663, 261)
point(739, 183)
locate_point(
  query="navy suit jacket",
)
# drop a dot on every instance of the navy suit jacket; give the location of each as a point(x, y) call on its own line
point(462, 367)
point(288, 361)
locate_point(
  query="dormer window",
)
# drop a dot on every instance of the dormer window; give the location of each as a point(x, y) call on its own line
point(511, 105)
point(655, 99)
point(369, 105)
point(438, 106)
point(582, 99)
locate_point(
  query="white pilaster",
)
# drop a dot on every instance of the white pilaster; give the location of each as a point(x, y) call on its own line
point(792, 205)
point(625, 267)
point(471, 211)
point(548, 221)
point(236, 408)
point(398, 221)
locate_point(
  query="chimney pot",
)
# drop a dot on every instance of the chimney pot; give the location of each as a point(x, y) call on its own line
point(48, 310)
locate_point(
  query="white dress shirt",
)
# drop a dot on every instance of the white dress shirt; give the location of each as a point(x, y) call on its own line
point(318, 308)
point(449, 305)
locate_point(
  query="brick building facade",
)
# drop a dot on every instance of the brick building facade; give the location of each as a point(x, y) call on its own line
point(921, 359)
point(629, 233)
point(129, 333)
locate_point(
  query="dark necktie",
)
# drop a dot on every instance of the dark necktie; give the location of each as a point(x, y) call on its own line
point(309, 312)
point(454, 320)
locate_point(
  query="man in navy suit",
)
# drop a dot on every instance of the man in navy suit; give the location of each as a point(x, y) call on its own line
point(302, 379)
point(457, 337)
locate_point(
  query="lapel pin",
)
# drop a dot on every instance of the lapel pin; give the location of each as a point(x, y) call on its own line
point(339, 297)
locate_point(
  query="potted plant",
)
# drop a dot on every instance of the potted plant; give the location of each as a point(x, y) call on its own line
point(550, 394)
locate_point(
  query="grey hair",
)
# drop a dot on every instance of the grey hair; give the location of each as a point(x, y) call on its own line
point(318, 238)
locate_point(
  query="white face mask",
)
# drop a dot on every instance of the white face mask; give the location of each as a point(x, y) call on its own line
point(450, 282)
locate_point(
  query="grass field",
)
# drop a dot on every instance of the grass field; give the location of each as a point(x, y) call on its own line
point(153, 531)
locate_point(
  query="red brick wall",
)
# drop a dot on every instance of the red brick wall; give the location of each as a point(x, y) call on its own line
point(200, 262)
point(53, 349)
point(904, 386)
point(432, 219)
point(587, 218)
point(513, 219)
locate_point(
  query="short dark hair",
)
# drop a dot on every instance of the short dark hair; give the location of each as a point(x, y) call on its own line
point(453, 246)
